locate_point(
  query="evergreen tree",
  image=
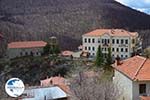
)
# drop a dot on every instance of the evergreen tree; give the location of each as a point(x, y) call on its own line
point(56, 49)
point(99, 57)
point(47, 49)
point(108, 58)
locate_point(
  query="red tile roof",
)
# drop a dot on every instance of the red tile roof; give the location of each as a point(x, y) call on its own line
point(27, 44)
point(136, 68)
point(111, 32)
point(55, 81)
point(144, 98)
point(65, 88)
point(66, 53)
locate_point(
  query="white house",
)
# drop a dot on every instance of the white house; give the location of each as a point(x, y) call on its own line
point(18, 49)
point(122, 42)
point(132, 76)
point(44, 93)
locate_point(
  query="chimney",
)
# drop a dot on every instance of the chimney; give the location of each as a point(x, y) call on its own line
point(47, 77)
point(118, 60)
point(51, 82)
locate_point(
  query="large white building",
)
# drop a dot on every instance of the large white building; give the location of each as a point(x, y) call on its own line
point(25, 48)
point(122, 42)
point(132, 77)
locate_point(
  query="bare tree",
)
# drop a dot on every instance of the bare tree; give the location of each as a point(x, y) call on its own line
point(84, 88)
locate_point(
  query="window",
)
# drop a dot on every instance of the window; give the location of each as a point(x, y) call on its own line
point(126, 49)
point(89, 40)
point(26, 53)
point(93, 54)
point(89, 48)
point(142, 88)
point(105, 49)
point(133, 41)
point(85, 40)
point(117, 41)
point(126, 56)
point(98, 40)
point(93, 40)
point(103, 40)
point(121, 49)
point(37, 53)
point(117, 49)
point(93, 48)
point(20, 53)
point(113, 41)
point(126, 41)
point(85, 48)
point(122, 41)
point(121, 56)
point(113, 49)
point(108, 41)
point(31, 53)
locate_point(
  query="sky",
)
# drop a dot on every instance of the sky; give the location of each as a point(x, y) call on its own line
point(141, 5)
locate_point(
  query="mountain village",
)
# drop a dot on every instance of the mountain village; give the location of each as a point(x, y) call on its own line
point(120, 50)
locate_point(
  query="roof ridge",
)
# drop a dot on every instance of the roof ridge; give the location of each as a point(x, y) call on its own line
point(135, 75)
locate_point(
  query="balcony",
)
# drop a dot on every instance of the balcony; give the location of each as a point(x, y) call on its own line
point(123, 45)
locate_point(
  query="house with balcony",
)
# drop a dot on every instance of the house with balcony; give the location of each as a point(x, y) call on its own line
point(132, 77)
point(123, 43)
point(25, 48)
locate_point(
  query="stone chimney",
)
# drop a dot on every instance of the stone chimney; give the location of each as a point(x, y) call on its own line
point(118, 60)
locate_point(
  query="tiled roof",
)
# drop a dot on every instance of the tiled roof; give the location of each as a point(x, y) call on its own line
point(65, 88)
point(136, 68)
point(55, 81)
point(111, 32)
point(66, 53)
point(27, 44)
point(145, 97)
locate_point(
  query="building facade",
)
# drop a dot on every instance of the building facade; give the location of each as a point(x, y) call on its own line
point(132, 78)
point(19, 49)
point(121, 42)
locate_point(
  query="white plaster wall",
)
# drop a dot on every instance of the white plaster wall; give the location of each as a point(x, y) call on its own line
point(121, 46)
point(136, 89)
point(95, 45)
point(125, 86)
point(107, 36)
point(13, 53)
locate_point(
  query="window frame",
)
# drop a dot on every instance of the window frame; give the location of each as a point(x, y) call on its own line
point(141, 86)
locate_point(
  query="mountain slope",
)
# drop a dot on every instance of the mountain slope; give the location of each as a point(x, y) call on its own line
point(67, 19)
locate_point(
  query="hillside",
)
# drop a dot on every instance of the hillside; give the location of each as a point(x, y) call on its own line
point(67, 19)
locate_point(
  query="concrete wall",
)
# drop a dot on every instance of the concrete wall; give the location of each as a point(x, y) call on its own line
point(125, 86)
point(18, 52)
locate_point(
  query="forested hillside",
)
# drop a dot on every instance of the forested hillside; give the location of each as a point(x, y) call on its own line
point(67, 19)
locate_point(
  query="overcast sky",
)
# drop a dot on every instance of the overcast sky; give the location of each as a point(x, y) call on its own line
point(141, 5)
